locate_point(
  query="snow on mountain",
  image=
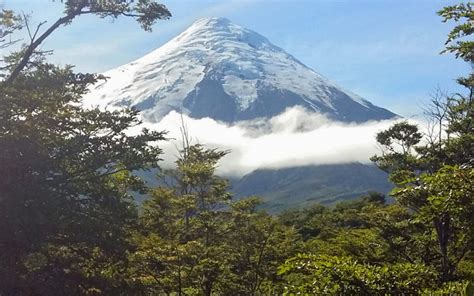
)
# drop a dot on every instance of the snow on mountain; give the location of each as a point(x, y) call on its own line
point(221, 70)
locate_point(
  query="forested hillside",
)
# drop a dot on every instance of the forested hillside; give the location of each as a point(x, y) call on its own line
point(299, 187)
point(69, 225)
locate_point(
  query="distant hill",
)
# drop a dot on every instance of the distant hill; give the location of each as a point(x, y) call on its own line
point(298, 187)
point(301, 186)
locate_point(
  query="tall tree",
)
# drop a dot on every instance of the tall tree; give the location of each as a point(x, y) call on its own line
point(196, 241)
point(434, 177)
point(187, 220)
point(65, 206)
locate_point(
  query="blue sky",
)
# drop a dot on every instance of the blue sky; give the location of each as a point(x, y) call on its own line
point(386, 51)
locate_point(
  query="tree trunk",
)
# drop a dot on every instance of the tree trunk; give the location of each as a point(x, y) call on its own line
point(442, 227)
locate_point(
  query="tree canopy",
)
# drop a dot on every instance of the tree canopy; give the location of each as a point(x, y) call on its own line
point(65, 203)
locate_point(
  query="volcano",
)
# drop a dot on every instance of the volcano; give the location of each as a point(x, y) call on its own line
point(220, 70)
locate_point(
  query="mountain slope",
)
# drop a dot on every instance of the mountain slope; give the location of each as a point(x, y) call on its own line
point(221, 70)
point(299, 186)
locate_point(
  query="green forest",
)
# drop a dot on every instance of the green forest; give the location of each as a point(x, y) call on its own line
point(69, 224)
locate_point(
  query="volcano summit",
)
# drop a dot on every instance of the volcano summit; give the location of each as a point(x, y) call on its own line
point(220, 70)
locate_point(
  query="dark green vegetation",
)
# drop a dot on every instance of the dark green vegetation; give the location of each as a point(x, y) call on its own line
point(68, 224)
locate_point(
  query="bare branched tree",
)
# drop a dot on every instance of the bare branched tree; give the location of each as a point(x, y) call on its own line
point(436, 113)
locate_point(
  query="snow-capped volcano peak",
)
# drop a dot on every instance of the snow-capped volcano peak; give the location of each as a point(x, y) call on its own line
point(218, 28)
point(221, 70)
point(214, 22)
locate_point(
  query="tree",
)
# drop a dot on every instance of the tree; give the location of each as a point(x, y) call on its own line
point(65, 171)
point(187, 221)
point(65, 204)
point(434, 177)
point(146, 12)
point(196, 241)
point(463, 49)
point(256, 244)
point(423, 243)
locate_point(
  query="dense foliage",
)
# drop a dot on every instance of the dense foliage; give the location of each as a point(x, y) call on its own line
point(194, 240)
point(69, 226)
point(65, 205)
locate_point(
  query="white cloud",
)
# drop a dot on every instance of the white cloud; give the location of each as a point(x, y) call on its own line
point(293, 138)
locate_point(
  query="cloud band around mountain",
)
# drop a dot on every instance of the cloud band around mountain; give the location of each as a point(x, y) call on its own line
point(296, 137)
